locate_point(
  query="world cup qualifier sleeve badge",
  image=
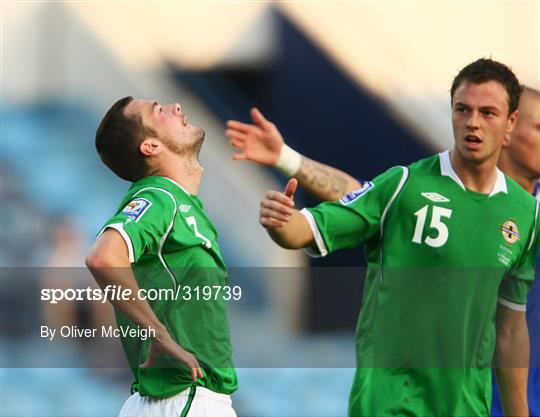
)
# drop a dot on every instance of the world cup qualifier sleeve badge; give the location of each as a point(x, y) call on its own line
point(510, 232)
point(136, 208)
point(355, 195)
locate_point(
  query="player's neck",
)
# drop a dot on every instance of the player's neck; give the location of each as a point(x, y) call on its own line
point(187, 173)
point(478, 177)
point(510, 169)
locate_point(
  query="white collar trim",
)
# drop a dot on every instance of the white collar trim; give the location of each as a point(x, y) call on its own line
point(448, 170)
point(178, 185)
point(500, 184)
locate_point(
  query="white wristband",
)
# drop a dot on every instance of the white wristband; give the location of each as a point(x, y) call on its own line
point(289, 161)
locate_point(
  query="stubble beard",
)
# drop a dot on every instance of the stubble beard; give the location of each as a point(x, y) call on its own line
point(199, 140)
point(191, 150)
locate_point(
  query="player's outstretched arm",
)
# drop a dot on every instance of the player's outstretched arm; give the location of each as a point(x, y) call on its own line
point(109, 263)
point(262, 143)
point(325, 182)
point(511, 360)
point(285, 225)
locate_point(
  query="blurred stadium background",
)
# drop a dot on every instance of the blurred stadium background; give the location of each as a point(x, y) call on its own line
point(359, 85)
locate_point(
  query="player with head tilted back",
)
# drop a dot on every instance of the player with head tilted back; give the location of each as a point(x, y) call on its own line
point(161, 238)
point(451, 244)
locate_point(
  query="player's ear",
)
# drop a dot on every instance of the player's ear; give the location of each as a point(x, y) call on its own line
point(511, 122)
point(151, 147)
point(506, 140)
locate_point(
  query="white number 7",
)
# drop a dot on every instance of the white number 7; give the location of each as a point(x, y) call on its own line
point(436, 223)
point(192, 222)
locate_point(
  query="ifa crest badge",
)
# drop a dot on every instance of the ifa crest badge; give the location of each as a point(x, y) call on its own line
point(510, 232)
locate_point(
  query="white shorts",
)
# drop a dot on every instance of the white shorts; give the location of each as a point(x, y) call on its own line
point(192, 402)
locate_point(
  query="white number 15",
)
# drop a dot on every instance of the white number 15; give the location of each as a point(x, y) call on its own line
point(436, 223)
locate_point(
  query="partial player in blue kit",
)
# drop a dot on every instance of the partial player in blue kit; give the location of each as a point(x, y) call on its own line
point(520, 159)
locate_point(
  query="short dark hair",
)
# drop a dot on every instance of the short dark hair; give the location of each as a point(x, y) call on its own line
point(117, 141)
point(486, 69)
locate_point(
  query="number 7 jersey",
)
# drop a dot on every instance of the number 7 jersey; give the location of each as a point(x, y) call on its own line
point(172, 245)
point(439, 257)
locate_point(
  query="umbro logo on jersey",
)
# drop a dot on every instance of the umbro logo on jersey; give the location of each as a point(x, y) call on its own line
point(436, 197)
point(510, 232)
point(184, 208)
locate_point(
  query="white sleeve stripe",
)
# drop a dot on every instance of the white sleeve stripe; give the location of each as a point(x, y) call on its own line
point(400, 186)
point(511, 305)
point(321, 246)
point(166, 234)
point(404, 177)
point(162, 243)
point(120, 228)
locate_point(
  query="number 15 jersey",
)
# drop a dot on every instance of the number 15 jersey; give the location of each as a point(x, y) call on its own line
point(439, 257)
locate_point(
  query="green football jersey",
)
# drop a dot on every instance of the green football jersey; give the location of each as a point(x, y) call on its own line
point(439, 257)
point(172, 244)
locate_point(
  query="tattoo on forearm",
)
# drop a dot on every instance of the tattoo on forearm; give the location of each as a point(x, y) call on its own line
point(322, 179)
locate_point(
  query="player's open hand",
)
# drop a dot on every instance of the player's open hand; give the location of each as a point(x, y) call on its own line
point(276, 208)
point(167, 346)
point(260, 142)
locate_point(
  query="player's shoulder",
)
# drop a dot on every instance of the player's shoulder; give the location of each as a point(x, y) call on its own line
point(428, 165)
point(519, 195)
point(393, 173)
point(159, 194)
point(398, 172)
point(393, 177)
point(159, 188)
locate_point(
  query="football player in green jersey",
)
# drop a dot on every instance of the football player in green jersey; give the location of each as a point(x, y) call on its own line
point(520, 159)
point(424, 345)
point(159, 239)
